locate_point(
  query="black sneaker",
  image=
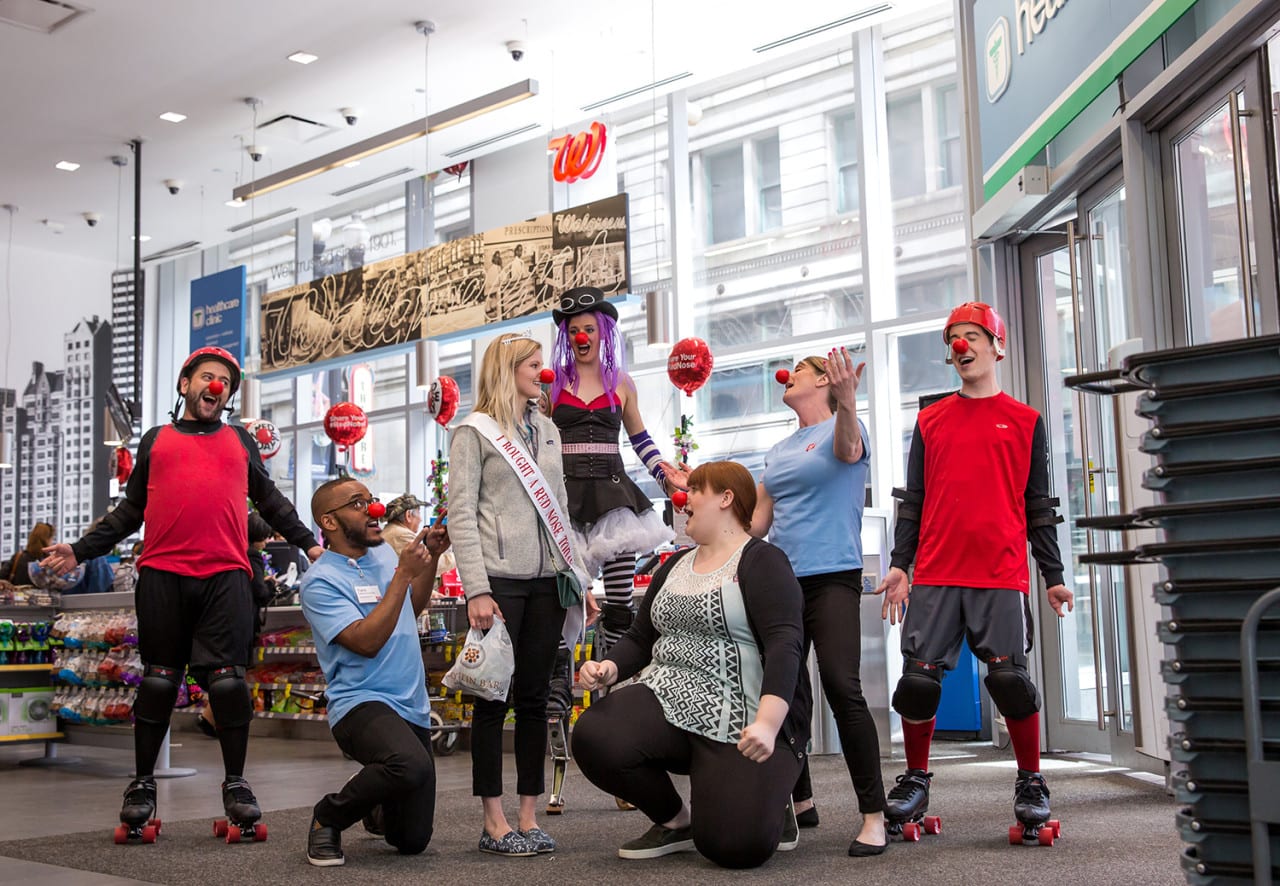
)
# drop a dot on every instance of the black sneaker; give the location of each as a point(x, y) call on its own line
point(1030, 798)
point(790, 838)
point(657, 842)
point(324, 846)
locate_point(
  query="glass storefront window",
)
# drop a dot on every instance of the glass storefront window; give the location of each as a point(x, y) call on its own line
point(905, 121)
point(950, 137)
point(844, 131)
point(724, 187)
point(277, 402)
point(768, 183)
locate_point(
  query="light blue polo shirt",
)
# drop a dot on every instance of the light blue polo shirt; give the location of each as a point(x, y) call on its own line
point(817, 500)
point(395, 675)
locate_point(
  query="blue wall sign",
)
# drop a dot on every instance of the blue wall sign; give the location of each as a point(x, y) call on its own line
point(217, 311)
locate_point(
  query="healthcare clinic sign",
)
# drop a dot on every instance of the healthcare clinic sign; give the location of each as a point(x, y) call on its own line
point(578, 156)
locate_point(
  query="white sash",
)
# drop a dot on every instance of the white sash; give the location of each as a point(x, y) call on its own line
point(548, 507)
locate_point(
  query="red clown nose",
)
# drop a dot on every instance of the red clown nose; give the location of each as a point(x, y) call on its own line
point(377, 509)
point(546, 376)
point(959, 345)
point(679, 498)
point(581, 339)
point(782, 376)
point(216, 388)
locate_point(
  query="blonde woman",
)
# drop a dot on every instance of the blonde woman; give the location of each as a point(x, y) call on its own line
point(508, 562)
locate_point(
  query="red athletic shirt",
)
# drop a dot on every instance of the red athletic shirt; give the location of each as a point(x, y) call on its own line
point(977, 461)
point(200, 534)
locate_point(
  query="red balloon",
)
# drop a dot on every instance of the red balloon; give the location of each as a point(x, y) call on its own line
point(581, 339)
point(547, 376)
point(346, 424)
point(679, 498)
point(377, 509)
point(266, 435)
point(216, 388)
point(123, 459)
point(782, 376)
point(960, 345)
point(442, 400)
point(689, 365)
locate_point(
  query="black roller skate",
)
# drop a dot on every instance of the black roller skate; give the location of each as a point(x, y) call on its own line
point(1031, 809)
point(242, 811)
point(559, 710)
point(905, 807)
point(137, 815)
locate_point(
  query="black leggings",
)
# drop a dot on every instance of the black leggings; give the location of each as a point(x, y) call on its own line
point(625, 746)
point(399, 774)
point(833, 625)
point(534, 619)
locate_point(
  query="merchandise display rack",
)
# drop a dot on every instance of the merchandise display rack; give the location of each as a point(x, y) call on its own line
point(17, 676)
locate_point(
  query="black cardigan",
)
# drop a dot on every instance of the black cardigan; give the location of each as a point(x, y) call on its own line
point(775, 611)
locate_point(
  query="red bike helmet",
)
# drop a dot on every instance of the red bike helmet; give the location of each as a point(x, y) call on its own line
point(222, 356)
point(980, 314)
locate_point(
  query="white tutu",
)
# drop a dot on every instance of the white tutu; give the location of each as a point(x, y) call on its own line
point(617, 532)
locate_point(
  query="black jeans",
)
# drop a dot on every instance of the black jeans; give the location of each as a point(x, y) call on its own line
point(624, 745)
point(833, 625)
point(399, 774)
point(534, 618)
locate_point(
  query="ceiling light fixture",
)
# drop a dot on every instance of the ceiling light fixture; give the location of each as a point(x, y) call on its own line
point(303, 58)
point(173, 117)
point(236, 203)
point(144, 238)
point(392, 138)
point(67, 165)
point(351, 164)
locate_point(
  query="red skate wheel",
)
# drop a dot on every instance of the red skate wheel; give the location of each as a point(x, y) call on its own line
point(911, 832)
point(155, 823)
point(1057, 827)
point(149, 834)
point(1015, 835)
point(932, 824)
point(233, 835)
point(220, 827)
point(260, 833)
point(121, 834)
point(1045, 836)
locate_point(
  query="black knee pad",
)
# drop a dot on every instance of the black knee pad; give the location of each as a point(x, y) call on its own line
point(616, 618)
point(229, 696)
point(156, 694)
point(919, 690)
point(1011, 689)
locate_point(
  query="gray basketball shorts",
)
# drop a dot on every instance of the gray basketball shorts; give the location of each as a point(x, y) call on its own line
point(996, 622)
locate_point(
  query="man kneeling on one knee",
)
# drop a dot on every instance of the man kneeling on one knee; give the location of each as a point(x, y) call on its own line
point(362, 605)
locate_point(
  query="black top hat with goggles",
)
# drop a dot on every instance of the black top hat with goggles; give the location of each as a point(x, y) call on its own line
point(580, 300)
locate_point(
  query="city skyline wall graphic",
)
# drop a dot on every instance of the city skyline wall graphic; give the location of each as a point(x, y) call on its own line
point(512, 271)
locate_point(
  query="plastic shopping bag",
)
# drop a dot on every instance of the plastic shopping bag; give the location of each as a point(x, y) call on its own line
point(485, 664)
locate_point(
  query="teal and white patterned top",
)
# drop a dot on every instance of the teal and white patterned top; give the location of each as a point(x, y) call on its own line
point(706, 669)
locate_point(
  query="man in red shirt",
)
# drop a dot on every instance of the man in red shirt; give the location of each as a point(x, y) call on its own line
point(189, 485)
point(977, 491)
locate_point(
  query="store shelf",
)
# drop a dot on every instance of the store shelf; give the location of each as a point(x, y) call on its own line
point(9, 669)
point(293, 687)
point(284, 650)
point(272, 715)
point(44, 736)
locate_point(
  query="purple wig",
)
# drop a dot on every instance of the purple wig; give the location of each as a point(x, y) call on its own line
point(612, 359)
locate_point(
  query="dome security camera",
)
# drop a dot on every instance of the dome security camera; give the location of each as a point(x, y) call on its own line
point(91, 218)
point(256, 152)
point(351, 115)
point(174, 185)
point(516, 49)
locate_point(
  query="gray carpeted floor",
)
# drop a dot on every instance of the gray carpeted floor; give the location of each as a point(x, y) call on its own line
point(1115, 830)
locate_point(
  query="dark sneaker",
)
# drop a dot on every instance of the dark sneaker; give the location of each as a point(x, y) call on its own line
point(808, 818)
point(511, 844)
point(324, 846)
point(657, 842)
point(539, 839)
point(910, 796)
point(139, 801)
point(790, 829)
point(239, 802)
point(1030, 798)
point(374, 823)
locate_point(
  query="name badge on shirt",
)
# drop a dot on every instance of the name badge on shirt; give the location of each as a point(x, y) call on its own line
point(368, 593)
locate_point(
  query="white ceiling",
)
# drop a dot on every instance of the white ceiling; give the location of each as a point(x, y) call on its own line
point(81, 93)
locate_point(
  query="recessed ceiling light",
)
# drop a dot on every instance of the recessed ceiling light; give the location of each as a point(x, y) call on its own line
point(173, 117)
point(144, 238)
point(303, 58)
point(236, 203)
point(67, 165)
